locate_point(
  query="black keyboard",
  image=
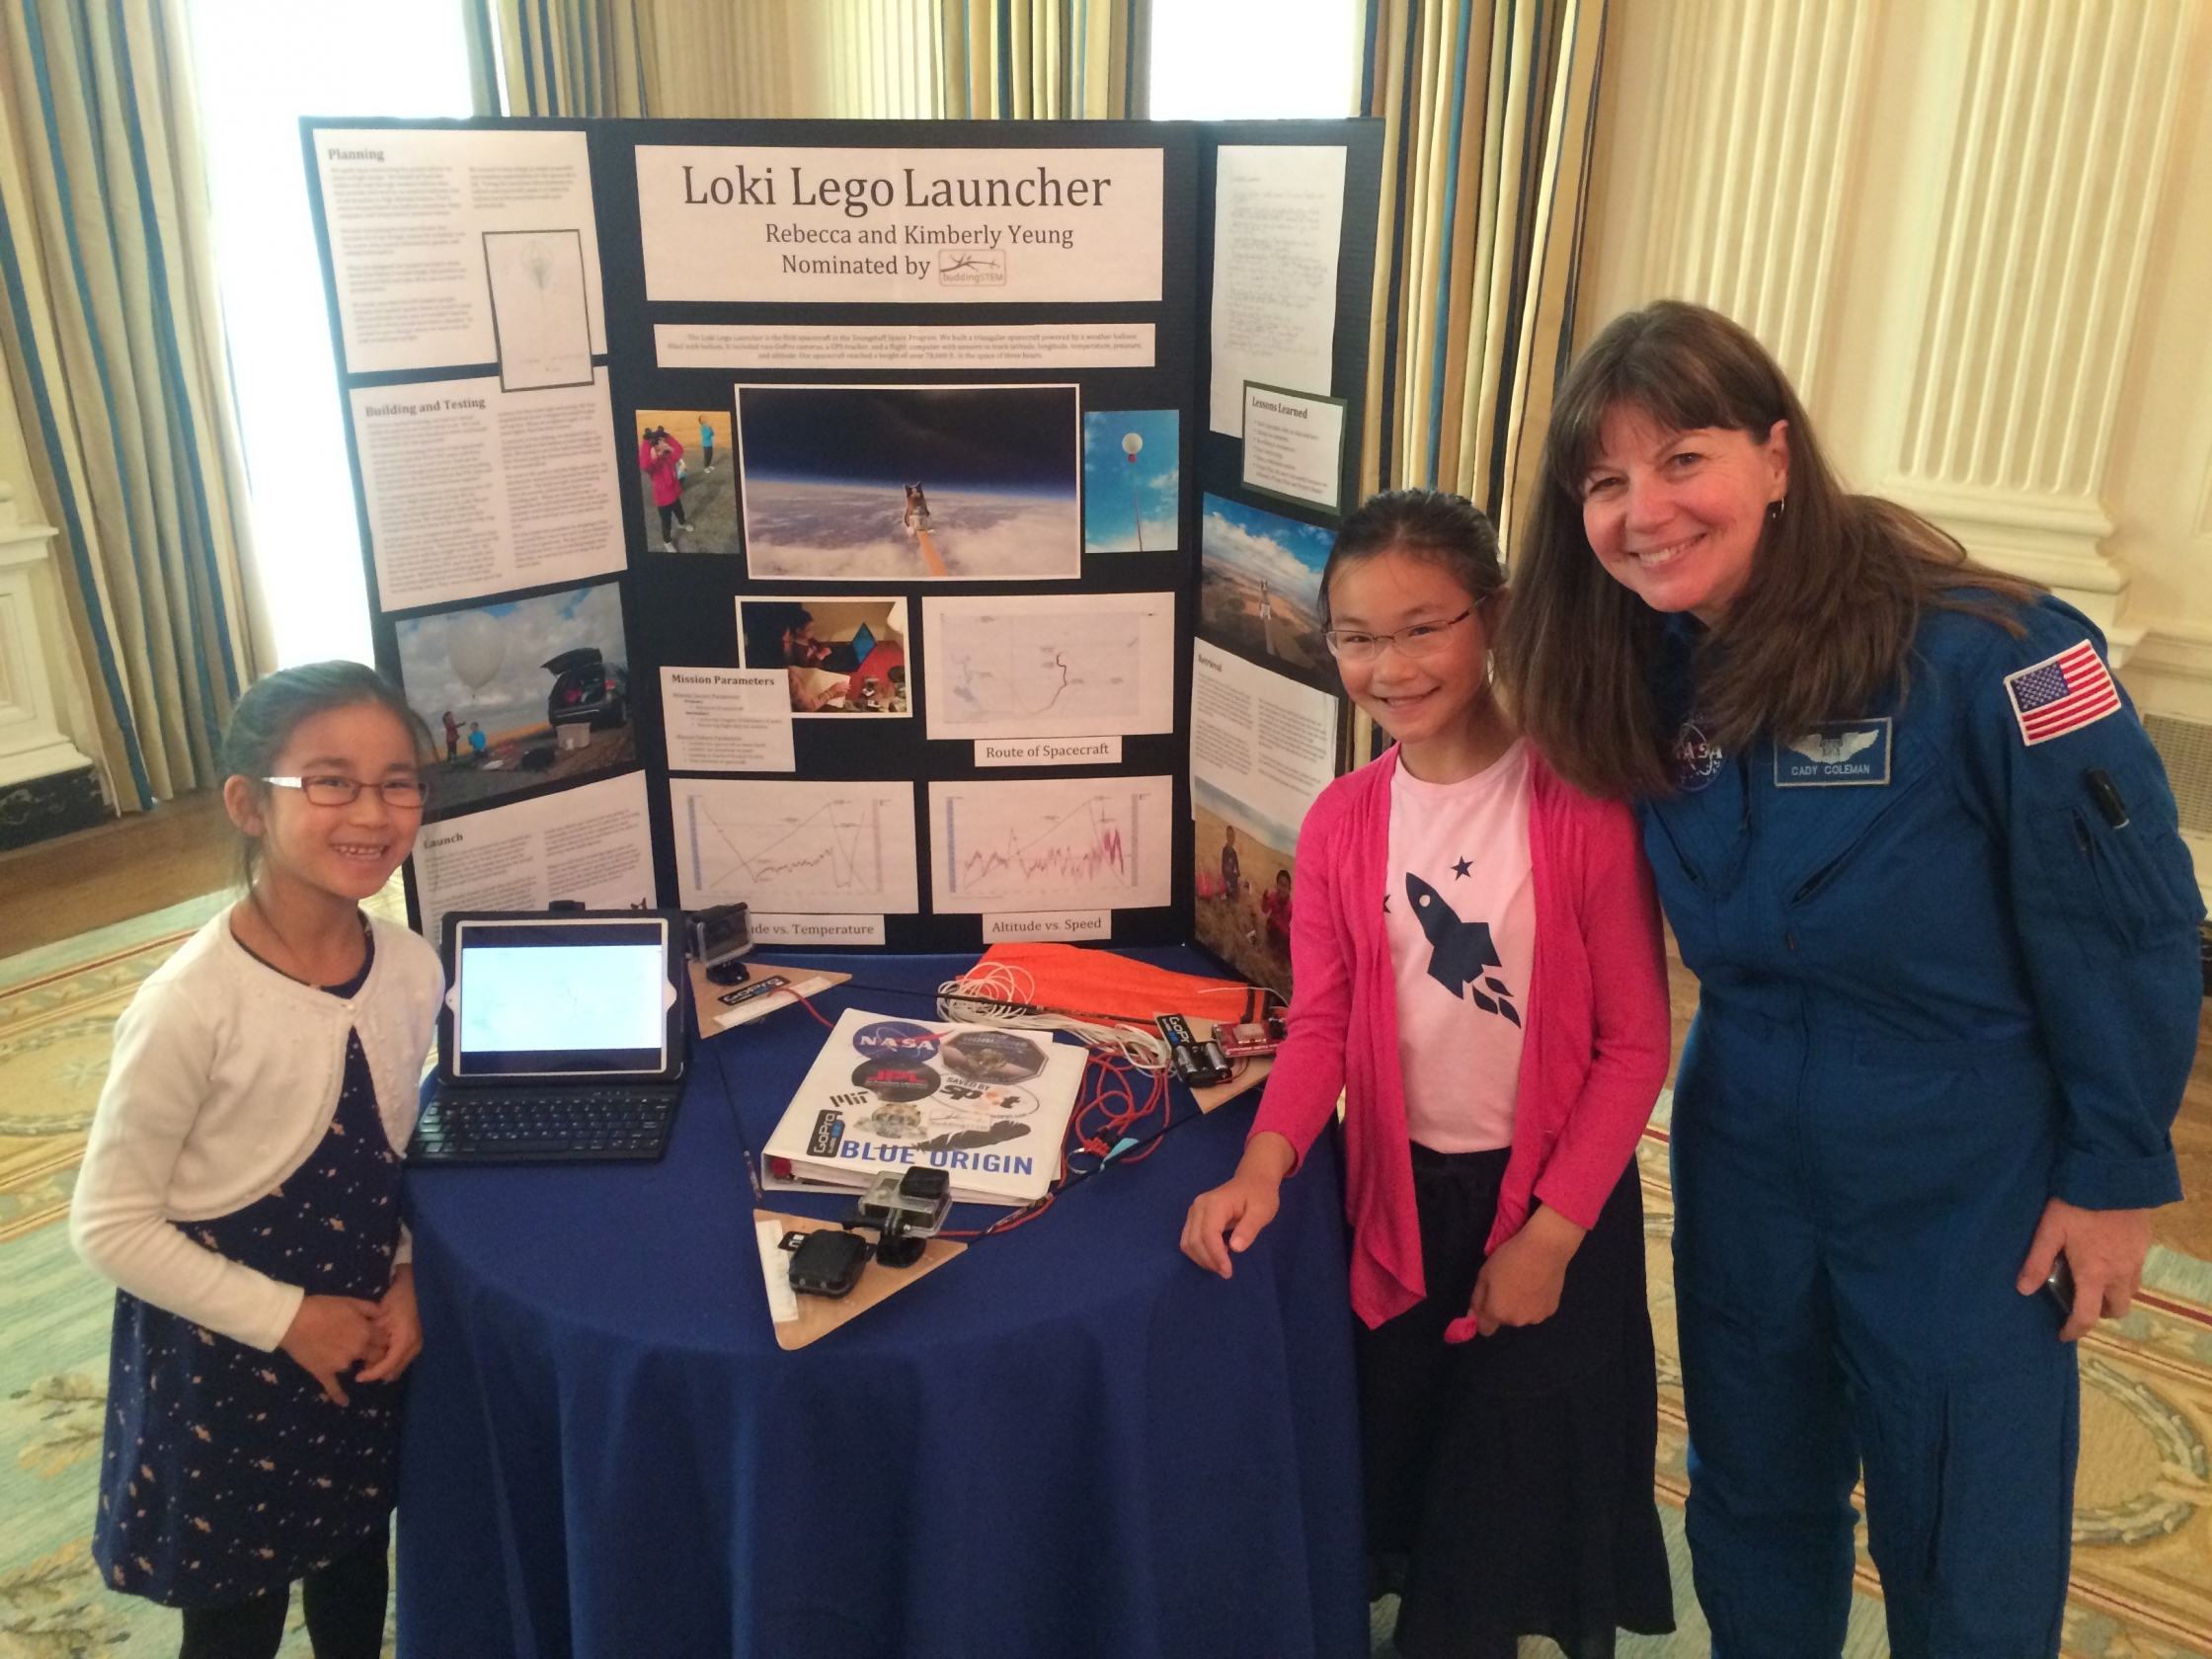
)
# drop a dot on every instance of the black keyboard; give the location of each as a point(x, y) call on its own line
point(564, 1127)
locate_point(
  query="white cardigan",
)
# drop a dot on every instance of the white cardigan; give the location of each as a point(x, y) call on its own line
point(227, 1076)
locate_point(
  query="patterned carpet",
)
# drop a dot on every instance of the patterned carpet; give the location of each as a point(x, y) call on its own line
point(2142, 1516)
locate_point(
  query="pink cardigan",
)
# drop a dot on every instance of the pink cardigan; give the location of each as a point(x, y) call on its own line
point(1593, 1054)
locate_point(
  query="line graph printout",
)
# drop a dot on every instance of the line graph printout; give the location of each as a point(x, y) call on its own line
point(1050, 666)
point(834, 848)
point(1050, 844)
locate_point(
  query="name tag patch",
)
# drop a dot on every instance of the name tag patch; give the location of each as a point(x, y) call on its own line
point(1834, 752)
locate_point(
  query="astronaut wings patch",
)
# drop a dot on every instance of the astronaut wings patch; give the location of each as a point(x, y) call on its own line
point(2061, 694)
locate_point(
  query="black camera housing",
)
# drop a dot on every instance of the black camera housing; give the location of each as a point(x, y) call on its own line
point(827, 1262)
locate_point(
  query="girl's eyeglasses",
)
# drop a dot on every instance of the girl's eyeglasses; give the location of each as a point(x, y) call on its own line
point(1423, 639)
point(341, 791)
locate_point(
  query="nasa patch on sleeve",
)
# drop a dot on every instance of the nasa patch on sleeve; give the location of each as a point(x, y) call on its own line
point(1834, 752)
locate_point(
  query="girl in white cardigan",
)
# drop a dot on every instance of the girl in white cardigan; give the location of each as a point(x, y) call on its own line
point(242, 1188)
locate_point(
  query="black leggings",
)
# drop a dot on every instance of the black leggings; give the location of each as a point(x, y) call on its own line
point(345, 1606)
point(672, 515)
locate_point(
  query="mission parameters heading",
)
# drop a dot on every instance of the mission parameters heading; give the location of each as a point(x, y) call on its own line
point(858, 196)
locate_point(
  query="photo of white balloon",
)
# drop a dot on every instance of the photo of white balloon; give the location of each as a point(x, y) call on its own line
point(476, 647)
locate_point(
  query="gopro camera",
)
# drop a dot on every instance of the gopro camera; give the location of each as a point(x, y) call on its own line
point(718, 938)
point(905, 1211)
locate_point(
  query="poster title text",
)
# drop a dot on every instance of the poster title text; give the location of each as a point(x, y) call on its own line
point(857, 197)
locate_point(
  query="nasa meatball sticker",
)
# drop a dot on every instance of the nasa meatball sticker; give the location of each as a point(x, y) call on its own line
point(1835, 751)
point(1697, 759)
point(897, 1040)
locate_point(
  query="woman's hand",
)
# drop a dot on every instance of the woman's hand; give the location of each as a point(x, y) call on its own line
point(1520, 1284)
point(2105, 1250)
point(399, 1327)
point(1240, 1206)
point(328, 1336)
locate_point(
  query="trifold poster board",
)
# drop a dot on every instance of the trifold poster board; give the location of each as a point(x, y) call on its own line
point(911, 528)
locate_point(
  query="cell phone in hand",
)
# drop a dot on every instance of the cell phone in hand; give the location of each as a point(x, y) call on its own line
point(2059, 1286)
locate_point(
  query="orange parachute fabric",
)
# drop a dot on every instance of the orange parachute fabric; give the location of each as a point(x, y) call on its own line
point(1100, 986)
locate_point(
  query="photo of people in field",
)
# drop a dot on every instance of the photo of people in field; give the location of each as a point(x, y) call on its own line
point(688, 487)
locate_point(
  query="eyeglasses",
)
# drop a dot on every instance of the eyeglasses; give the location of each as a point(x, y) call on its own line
point(1423, 639)
point(404, 792)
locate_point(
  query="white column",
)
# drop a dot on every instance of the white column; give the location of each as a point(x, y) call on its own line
point(2066, 112)
point(1758, 141)
point(31, 745)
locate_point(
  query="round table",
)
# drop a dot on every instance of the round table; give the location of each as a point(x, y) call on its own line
point(1067, 1441)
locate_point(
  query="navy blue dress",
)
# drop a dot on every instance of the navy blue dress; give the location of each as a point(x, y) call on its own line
point(227, 1472)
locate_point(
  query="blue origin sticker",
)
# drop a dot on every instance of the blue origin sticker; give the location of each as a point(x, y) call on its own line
point(1833, 752)
point(895, 1040)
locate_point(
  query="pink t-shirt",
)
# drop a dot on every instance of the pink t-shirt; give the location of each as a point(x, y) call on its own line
point(1461, 916)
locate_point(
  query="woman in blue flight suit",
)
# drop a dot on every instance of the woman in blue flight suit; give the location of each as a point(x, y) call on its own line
point(1924, 861)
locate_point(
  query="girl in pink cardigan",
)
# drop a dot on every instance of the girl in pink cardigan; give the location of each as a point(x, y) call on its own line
point(1477, 968)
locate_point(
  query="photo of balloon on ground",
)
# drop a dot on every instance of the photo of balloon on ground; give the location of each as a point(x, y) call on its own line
point(1132, 480)
point(520, 694)
point(843, 655)
point(910, 483)
point(687, 485)
point(1260, 583)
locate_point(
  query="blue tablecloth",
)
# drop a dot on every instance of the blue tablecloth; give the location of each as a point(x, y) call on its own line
point(1070, 1440)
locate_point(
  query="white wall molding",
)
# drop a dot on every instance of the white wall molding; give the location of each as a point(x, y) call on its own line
point(1755, 164)
point(2170, 670)
point(2066, 115)
point(31, 744)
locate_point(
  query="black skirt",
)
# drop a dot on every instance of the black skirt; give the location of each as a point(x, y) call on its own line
point(1509, 1477)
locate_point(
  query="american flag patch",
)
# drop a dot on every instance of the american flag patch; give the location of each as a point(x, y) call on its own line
point(2061, 694)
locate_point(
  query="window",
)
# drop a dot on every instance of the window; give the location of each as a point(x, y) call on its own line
point(1255, 59)
point(261, 66)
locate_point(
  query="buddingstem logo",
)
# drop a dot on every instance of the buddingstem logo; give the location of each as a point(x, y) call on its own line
point(972, 268)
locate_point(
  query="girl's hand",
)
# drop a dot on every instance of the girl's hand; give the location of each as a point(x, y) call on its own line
point(399, 1326)
point(2105, 1250)
point(328, 1336)
point(1240, 1206)
point(1520, 1284)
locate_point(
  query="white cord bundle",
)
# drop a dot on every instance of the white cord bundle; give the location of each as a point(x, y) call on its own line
point(1002, 995)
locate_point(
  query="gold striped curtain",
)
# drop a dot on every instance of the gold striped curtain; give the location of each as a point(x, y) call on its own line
point(1490, 113)
point(715, 59)
point(1046, 59)
point(560, 57)
point(112, 333)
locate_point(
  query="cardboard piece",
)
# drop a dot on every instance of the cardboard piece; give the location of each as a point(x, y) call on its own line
point(819, 1316)
point(710, 1015)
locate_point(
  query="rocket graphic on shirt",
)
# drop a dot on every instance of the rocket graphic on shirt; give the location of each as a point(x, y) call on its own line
point(1459, 951)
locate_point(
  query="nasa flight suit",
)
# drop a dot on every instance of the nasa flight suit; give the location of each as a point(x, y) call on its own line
point(1947, 975)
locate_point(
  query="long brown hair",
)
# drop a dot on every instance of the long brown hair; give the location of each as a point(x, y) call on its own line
point(1825, 621)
